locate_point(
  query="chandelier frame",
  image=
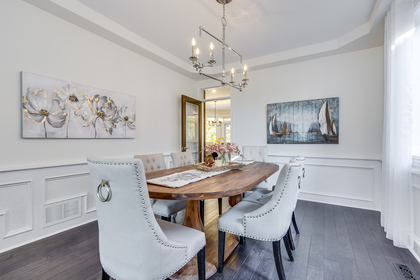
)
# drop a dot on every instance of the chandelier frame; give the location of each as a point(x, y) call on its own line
point(199, 65)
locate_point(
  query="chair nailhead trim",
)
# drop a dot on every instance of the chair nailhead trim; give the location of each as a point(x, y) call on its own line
point(136, 166)
point(261, 215)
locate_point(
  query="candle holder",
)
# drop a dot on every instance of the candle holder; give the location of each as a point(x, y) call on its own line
point(199, 66)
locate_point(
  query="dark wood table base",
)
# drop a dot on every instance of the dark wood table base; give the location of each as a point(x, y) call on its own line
point(193, 219)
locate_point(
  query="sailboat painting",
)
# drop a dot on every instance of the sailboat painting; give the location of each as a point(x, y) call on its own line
point(313, 121)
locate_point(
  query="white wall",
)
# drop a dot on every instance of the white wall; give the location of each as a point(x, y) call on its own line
point(347, 173)
point(38, 42)
point(37, 174)
point(356, 78)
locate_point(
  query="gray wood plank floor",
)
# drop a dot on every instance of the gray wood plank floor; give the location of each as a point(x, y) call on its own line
point(336, 243)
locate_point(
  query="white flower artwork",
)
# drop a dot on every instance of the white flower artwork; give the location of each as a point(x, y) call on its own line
point(54, 108)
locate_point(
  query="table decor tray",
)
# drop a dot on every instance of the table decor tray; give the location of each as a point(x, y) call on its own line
point(232, 165)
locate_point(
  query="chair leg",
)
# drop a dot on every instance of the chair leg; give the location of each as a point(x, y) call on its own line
point(221, 252)
point(105, 276)
point(287, 245)
point(165, 218)
point(277, 260)
point(201, 264)
point(294, 223)
point(292, 244)
point(202, 211)
point(219, 201)
point(242, 240)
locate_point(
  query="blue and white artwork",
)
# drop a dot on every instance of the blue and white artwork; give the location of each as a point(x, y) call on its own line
point(303, 122)
point(54, 108)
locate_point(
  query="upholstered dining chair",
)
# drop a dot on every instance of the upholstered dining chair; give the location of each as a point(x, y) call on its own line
point(300, 159)
point(261, 196)
point(257, 153)
point(186, 158)
point(162, 207)
point(182, 158)
point(132, 243)
point(267, 222)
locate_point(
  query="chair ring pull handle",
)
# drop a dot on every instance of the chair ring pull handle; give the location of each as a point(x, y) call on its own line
point(104, 184)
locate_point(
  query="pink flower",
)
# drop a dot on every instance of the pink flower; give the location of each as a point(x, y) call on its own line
point(222, 148)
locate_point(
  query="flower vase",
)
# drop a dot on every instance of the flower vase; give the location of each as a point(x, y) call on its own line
point(223, 156)
point(218, 162)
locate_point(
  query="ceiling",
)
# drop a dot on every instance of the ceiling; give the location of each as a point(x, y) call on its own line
point(267, 33)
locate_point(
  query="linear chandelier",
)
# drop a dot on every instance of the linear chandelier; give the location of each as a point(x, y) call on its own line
point(216, 122)
point(199, 65)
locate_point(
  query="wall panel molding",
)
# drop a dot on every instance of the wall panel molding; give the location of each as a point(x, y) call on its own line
point(68, 186)
point(338, 196)
point(341, 181)
point(30, 192)
point(18, 200)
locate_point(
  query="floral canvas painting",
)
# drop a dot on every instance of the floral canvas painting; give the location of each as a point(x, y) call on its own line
point(54, 108)
point(303, 122)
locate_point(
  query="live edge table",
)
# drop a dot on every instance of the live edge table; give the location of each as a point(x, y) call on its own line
point(230, 184)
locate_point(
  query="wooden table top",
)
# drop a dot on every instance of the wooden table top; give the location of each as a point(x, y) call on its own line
point(230, 183)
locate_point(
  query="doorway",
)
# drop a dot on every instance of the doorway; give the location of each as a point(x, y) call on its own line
point(217, 114)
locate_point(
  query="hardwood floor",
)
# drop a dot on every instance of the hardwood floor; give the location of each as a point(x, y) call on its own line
point(335, 243)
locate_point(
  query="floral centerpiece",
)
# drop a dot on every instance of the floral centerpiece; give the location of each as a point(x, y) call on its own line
point(220, 149)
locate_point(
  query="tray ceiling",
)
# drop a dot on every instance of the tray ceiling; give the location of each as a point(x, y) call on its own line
point(267, 33)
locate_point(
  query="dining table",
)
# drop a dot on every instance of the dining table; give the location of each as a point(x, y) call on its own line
point(232, 183)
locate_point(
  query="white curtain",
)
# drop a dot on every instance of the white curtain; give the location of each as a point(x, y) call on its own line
point(397, 155)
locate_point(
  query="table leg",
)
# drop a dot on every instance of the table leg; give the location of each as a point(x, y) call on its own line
point(233, 200)
point(192, 215)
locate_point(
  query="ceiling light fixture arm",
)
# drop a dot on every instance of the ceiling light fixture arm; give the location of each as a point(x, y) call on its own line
point(199, 65)
point(239, 86)
point(220, 41)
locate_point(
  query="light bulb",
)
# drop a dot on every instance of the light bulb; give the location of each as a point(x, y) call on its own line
point(192, 47)
point(211, 50)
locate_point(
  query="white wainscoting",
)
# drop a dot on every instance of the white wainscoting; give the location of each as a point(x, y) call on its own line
point(340, 181)
point(37, 202)
point(415, 213)
point(28, 194)
point(16, 203)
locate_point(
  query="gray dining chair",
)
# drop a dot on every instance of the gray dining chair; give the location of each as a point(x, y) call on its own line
point(162, 207)
point(182, 158)
point(132, 243)
point(257, 153)
point(267, 222)
point(186, 158)
point(300, 159)
point(261, 196)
